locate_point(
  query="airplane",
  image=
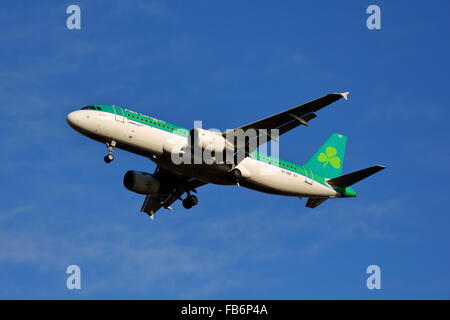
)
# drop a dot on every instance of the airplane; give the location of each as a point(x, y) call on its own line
point(319, 179)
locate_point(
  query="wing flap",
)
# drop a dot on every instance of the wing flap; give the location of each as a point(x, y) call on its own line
point(151, 204)
point(173, 186)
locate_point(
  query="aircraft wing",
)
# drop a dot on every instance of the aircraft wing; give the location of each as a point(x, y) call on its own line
point(172, 188)
point(291, 118)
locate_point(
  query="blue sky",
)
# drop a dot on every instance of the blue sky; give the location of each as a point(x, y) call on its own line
point(227, 64)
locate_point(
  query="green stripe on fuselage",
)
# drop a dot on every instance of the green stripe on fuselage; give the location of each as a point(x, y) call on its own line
point(288, 166)
point(144, 119)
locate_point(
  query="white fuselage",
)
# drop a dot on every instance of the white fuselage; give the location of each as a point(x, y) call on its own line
point(156, 144)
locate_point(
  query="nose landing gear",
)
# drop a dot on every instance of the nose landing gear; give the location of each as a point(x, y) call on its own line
point(110, 157)
point(190, 201)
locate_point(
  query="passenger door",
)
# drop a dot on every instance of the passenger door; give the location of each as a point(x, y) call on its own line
point(119, 114)
point(309, 176)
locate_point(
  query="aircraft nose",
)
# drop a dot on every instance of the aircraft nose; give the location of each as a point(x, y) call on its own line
point(74, 118)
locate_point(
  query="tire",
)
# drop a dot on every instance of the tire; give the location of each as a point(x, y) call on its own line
point(237, 173)
point(187, 204)
point(108, 158)
point(193, 200)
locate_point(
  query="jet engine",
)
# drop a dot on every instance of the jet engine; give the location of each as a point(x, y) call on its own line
point(141, 182)
point(207, 140)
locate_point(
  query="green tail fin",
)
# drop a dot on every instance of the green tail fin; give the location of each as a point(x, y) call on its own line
point(329, 159)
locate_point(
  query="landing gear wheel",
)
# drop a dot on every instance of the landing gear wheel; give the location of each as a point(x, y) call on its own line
point(190, 201)
point(187, 204)
point(237, 173)
point(108, 158)
point(193, 200)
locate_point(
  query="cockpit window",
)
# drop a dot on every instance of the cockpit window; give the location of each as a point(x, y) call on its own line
point(91, 108)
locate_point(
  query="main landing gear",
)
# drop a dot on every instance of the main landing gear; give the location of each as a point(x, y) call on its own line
point(110, 157)
point(190, 201)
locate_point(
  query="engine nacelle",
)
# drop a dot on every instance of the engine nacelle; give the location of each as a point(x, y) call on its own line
point(207, 140)
point(172, 145)
point(141, 182)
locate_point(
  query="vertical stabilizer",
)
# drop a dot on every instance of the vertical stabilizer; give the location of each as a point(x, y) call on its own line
point(329, 158)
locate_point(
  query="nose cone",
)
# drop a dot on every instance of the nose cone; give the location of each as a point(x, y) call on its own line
point(74, 119)
point(71, 117)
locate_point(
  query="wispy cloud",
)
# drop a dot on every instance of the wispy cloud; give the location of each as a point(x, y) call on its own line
point(14, 212)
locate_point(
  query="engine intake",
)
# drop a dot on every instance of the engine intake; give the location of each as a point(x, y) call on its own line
point(141, 182)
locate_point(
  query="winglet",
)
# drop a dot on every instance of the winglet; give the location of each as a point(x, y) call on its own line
point(345, 95)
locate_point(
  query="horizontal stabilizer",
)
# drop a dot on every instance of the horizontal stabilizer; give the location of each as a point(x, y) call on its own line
point(314, 202)
point(352, 178)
